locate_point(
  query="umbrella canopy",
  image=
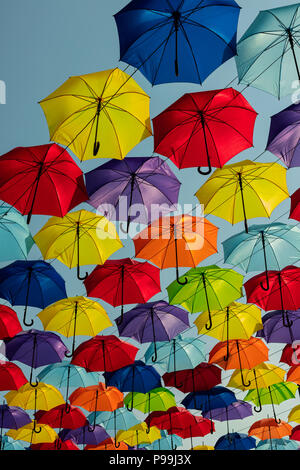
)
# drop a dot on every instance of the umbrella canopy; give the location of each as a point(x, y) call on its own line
point(12, 417)
point(268, 428)
point(124, 281)
point(38, 285)
point(277, 444)
point(293, 374)
point(166, 442)
point(36, 349)
point(59, 417)
point(108, 444)
point(235, 441)
point(104, 353)
point(9, 322)
point(171, 242)
point(97, 398)
point(11, 376)
point(77, 239)
point(295, 206)
point(84, 435)
point(167, 41)
point(268, 54)
point(290, 354)
point(243, 191)
point(295, 434)
point(56, 445)
point(27, 434)
point(294, 414)
point(237, 410)
point(42, 397)
point(123, 188)
point(14, 234)
point(207, 288)
point(279, 328)
point(8, 443)
point(103, 114)
point(283, 292)
point(41, 180)
point(154, 321)
point(138, 435)
point(75, 316)
point(120, 418)
point(202, 377)
point(158, 399)
point(284, 135)
point(205, 129)
point(216, 397)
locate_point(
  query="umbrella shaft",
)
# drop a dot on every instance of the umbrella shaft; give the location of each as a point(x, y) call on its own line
point(291, 40)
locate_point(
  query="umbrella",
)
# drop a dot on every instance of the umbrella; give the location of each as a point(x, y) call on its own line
point(11, 417)
point(203, 377)
point(268, 54)
point(9, 322)
point(14, 234)
point(207, 288)
point(136, 377)
point(243, 191)
point(27, 433)
point(283, 292)
point(177, 355)
point(11, 376)
point(155, 321)
point(203, 447)
point(41, 180)
point(293, 374)
point(283, 139)
point(79, 238)
point(295, 207)
point(84, 435)
point(295, 434)
point(237, 410)
point(138, 434)
point(31, 283)
point(274, 394)
point(104, 353)
point(103, 114)
point(294, 414)
point(59, 417)
point(277, 444)
point(235, 441)
point(158, 399)
point(56, 445)
point(36, 349)
point(237, 321)
point(165, 442)
point(108, 444)
point(205, 129)
point(276, 329)
point(290, 354)
point(123, 188)
point(75, 316)
point(167, 40)
point(10, 444)
point(66, 375)
point(124, 281)
point(201, 427)
point(277, 242)
point(171, 242)
point(268, 428)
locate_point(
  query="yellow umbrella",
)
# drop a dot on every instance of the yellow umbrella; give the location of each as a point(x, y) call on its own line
point(79, 238)
point(139, 434)
point(75, 316)
point(204, 447)
point(244, 190)
point(294, 414)
point(261, 376)
point(28, 434)
point(42, 397)
point(103, 114)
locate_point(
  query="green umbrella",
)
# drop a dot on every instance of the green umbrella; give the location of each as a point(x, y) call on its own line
point(272, 395)
point(158, 399)
point(207, 288)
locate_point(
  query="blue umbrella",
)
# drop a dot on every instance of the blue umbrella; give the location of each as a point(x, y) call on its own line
point(166, 442)
point(10, 444)
point(136, 377)
point(264, 247)
point(235, 441)
point(14, 235)
point(168, 40)
point(277, 444)
point(31, 283)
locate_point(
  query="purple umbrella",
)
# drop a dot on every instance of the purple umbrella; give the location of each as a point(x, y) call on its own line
point(12, 417)
point(85, 435)
point(237, 410)
point(284, 135)
point(154, 321)
point(274, 331)
point(35, 348)
point(146, 181)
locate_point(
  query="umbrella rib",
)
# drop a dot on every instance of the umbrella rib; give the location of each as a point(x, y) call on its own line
point(114, 130)
point(194, 23)
point(192, 52)
point(163, 51)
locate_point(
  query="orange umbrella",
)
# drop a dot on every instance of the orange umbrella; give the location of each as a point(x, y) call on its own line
point(171, 242)
point(239, 353)
point(269, 428)
point(97, 398)
point(108, 444)
point(293, 374)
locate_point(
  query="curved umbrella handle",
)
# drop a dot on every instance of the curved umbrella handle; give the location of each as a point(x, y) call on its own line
point(58, 444)
point(122, 229)
point(67, 408)
point(267, 281)
point(204, 173)
point(24, 318)
point(259, 408)
point(117, 444)
point(35, 429)
point(287, 323)
point(182, 283)
point(79, 277)
point(208, 325)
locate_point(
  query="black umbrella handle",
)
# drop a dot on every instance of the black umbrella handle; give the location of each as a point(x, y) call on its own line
point(120, 320)
point(185, 281)
point(243, 201)
point(259, 408)
point(97, 117)
point(267, 287)
point(208, 325)
point(34, 385)
point(208, 171)
point(278, 421)
point(79, 277)
point(27, 299)
point(74, 332)
point(154, 357)
point(227, 335)
point(245, 384)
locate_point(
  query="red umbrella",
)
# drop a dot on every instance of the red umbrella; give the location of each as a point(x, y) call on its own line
point(56, 445)
point(11, 376)
point(59, 418)
point(283, 293)
point(203, 377)
point(205, 129)
point(9, 322)
point(295, 206)
point(295, 434)
point(108, 444)
point(200, 428)
point(41, 180)
point(104, 353)
point(291, 355)
point(123, 281)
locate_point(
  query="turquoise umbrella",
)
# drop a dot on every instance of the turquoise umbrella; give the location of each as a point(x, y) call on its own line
point(10, 444)
point(14, 235)
point(165, 443)
point(67, 375)
point(264, 247)
point(277, 444)
point(268, 54)
point(178, 354)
